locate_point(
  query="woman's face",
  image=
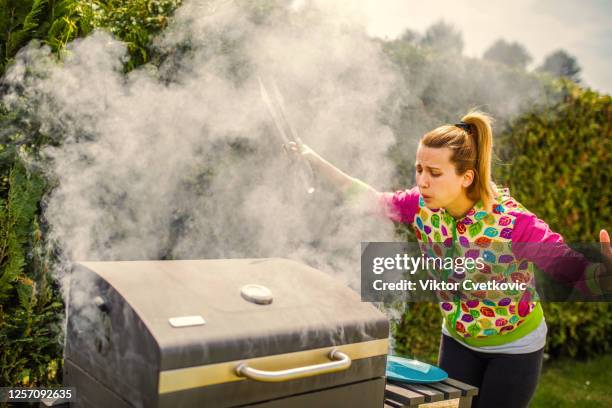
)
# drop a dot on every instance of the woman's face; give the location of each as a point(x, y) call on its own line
point(437, 179)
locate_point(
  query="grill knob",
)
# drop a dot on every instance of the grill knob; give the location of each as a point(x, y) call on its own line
point(257, 294)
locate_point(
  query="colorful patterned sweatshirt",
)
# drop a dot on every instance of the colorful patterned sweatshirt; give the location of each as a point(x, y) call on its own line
point(494, 319)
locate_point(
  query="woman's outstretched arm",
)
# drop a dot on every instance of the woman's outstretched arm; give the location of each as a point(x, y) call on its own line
point(338, 179)
point(399, 206)
point(533, 239)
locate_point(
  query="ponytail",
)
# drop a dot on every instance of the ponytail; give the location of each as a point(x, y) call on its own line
point(482, 134)
point(472, 144)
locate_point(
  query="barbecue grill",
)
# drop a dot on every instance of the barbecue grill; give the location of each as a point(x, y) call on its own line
point(221, 333)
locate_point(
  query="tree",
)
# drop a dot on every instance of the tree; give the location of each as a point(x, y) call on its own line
point(443, 38)
point(562, 64)
point(410, 36)
point(511, 54)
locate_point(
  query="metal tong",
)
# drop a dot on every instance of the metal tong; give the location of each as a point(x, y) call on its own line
point(276, 108)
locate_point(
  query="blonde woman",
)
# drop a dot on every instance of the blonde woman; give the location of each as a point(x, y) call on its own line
point(495, 344)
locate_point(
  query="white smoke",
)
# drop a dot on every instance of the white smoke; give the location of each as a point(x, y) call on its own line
point(181, 160)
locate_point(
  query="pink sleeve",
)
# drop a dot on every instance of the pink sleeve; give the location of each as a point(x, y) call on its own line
point(400, 206)
point(533, 240)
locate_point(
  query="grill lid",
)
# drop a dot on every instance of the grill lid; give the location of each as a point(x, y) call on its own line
point(211, 311)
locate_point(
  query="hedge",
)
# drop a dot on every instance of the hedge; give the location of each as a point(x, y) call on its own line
point(31, 307)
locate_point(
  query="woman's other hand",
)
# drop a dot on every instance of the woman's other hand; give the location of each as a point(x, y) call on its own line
point(605, 273)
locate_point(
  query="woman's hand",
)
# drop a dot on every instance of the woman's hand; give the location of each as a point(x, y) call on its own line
point(303, 154)
point(604, 275)
point(299, 149)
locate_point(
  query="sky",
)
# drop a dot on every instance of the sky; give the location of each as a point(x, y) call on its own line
point(583, 28)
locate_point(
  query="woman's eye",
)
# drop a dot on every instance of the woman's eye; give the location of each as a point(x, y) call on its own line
point(436, 174)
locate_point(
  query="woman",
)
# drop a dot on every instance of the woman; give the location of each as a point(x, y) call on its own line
point(494, 345)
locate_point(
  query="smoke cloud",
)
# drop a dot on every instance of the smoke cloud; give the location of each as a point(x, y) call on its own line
point(180, 160)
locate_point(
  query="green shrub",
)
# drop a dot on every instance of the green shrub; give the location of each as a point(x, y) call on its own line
point(56, 23)
point(31, 308)
point(580, 330)
point(417, 333)
point(564, 152)
point(53, 22)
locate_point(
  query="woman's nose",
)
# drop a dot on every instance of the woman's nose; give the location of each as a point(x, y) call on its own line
point(422, 181)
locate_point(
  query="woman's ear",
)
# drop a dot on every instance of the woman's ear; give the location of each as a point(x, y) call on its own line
point(468, 178)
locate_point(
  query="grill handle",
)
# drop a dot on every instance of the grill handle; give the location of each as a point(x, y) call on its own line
point(340, 362)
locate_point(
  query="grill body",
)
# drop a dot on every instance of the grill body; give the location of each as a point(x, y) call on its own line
point(123, 351)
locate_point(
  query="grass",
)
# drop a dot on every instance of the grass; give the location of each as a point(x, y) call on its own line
point(571, 383)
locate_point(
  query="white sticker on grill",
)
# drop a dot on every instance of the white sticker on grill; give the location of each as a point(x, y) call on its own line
point(185, 321)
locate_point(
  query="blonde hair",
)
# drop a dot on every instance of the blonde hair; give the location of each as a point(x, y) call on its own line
point(472, 145)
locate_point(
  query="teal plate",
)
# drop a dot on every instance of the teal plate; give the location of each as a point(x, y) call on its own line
point(413, 371)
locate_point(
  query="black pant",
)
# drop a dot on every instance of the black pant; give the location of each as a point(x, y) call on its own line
point(503, 380)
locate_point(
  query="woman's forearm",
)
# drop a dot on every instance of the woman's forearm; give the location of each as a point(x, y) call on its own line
point(336, 177)
point(328, 172)
point(333, 176)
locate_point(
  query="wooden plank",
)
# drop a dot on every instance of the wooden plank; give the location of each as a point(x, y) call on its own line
point(449, 392)
point(466, 389)
point(451, 403)
point(431, 395)
point(392, 404)
point(465, 402)
point(399, 393)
